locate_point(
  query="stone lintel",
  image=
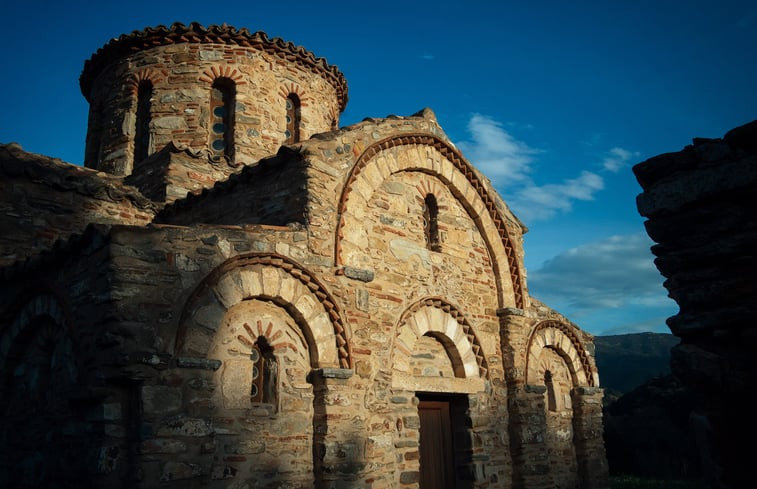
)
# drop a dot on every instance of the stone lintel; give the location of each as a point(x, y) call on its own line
point(194, 362)
point(534, 389)
point(333, 373)
point(585, 390)
point(510, 311)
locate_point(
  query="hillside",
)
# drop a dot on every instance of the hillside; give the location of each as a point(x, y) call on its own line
point(629, 360)
point(646, 409)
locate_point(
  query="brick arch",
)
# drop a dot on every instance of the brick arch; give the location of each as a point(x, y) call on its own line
point(37, 306)
point(147, 74)
point(561, 338)
point(438, 318)
point(274, 335)
point(455, 172)
point(222, 71)
point(287, 89)
point(44, 305)
point(272, 278)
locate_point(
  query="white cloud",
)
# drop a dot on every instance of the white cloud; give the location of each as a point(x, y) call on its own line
point(501, 157)
point(534, 202)
point(609, 274)
point(427, 56)
point(616, 159)
point(508, 163)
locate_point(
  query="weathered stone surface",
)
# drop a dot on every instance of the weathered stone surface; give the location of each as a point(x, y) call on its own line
point(202, 363)
point(173, 471)
point(700, 204)
point(160, 399)
point(193, 427)
point(358, 274)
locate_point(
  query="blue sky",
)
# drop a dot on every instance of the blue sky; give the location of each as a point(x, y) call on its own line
point(553, 102)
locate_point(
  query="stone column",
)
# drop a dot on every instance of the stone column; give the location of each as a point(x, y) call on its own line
point(588, 437)
point(513, 332)
point(338, 442)
point(528, 423)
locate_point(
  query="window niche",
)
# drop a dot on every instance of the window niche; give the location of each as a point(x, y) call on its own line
point(293, 116)
point(250, 376)
point(551, 397)
point(265, 373)
point(143, 119)
point(431, 222)
point(222, 99)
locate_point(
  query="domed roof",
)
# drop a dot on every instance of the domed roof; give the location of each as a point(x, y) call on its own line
point(178, 33)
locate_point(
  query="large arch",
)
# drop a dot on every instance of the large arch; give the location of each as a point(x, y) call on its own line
point(562, 339)
point(276, 279)
point(39, 374)
point(438, 158)
point(41, 305)
point(443, 321)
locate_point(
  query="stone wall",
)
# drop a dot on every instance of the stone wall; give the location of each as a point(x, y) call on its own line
point(273, 191)
point(43, 200)
point(62, 419)
point(700, 206)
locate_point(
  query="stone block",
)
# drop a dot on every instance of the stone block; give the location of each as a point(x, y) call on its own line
point(160, 400)
point(173, 471)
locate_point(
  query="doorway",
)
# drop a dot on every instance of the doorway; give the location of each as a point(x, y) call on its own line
point(437, 470)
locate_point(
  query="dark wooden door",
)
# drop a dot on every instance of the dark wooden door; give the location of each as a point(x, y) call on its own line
point(437, 461)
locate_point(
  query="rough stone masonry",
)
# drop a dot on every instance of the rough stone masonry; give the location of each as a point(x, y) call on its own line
point(235, 292)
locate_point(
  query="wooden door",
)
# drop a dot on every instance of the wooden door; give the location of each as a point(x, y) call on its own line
point(436, 452)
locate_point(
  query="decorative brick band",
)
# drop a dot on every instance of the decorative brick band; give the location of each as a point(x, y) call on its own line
point(464, 325)
point(217, 284)
point(563, 338)
point(465, 168)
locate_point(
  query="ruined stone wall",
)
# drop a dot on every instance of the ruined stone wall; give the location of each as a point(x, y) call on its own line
point(43, 200)
point(182, 74)
point(700, 207)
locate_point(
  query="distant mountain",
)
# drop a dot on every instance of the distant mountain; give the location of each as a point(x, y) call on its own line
point(628, 360)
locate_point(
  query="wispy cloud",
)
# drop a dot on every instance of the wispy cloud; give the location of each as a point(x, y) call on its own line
point(533, 202)
point(617, 158)
point(612, 273)
point(496, 153)
point(509, 162)
point(427, 56)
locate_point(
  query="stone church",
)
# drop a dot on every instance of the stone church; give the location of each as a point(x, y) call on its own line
point(236, 292)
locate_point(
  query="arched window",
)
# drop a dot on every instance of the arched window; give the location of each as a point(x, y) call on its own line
point(265, 373)
point(222, 95)
point(142, 129)
point(292, 132)
point(551, 398)
point(430, 223)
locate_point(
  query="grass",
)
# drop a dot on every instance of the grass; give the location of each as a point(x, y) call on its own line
point(633, 482)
